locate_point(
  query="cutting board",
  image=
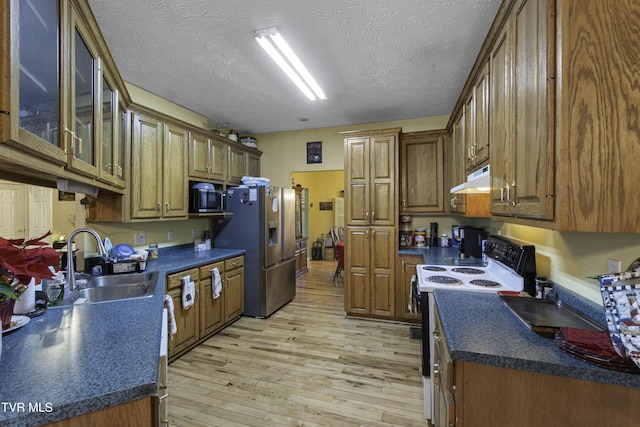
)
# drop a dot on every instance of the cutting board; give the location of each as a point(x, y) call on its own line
point(548, 316)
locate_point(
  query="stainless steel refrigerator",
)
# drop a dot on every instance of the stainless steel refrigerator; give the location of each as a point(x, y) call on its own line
point(263, 224)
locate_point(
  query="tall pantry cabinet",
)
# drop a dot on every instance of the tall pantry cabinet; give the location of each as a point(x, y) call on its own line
point(371, 165)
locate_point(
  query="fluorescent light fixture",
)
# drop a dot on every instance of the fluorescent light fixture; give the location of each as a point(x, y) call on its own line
point(278, 49)
point(477, 182)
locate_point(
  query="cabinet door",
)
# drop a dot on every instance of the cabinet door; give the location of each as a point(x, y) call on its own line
point(532, 104)
point(383, 177)
point(211, 309)
point(218, 158)
point(469, 132)
point(405, 269)
point(501, 159)
point(422, 172)
point(481, 117)
point(253, 164)
point(83, 114)
point(357, 181)
point(112, 140)
point(186, 322)
point(198, 156)
point(456, 164)
point(383, 247)
point(36, 120)
point(357, 263)
point(175, 183)
point(234, 296)
point(237, 165)
point(146, 167)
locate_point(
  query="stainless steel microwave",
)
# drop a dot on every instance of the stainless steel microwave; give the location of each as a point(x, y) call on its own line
point(204, 198)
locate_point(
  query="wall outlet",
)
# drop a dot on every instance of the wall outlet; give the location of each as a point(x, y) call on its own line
point(139, 238)
point(193, 232)
point(170, 236)
point(614, 265)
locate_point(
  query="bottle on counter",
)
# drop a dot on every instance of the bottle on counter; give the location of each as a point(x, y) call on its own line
point(434, 234)
point(153, 251)
point(420, 237)
point(444, 240)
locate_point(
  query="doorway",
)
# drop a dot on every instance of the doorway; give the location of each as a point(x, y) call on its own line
point(26, 211)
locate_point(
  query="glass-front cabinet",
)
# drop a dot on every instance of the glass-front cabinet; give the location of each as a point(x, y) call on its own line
point(63, 99)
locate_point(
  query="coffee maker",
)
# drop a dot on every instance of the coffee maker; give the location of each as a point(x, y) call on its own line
point(471, 242)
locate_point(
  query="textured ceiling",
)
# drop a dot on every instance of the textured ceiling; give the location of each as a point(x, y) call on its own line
point(376, 60)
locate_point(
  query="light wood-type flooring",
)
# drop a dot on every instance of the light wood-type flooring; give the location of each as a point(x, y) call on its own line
point(306, 365)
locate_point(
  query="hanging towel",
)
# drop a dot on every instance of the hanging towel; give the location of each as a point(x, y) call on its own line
point(173, 328)
point(188, 292)
point(217, 283)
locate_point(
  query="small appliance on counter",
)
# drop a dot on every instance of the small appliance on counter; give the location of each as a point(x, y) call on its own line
point(471, 239)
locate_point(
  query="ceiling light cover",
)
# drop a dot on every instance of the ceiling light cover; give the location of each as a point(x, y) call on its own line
point(280, 51)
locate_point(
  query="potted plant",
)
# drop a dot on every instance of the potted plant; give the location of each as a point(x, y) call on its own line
point(20, 261)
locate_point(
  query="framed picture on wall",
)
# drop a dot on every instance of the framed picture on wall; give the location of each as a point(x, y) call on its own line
point(314, 152)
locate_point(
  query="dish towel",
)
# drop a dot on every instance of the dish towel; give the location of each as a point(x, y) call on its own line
point(188, 292)
point(217, 283)
point(173, 328)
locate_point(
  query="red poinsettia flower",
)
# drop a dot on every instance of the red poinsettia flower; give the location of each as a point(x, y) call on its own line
point(27, 259)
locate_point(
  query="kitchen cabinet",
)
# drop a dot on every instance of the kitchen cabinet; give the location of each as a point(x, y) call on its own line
point(237, 165)
point(212, 315)
point(371, 215)
point(405, 269)
point(207, 315)
point(63, 96)
point(234, 293)
point(159, 161)
point(253, 162)
point(187, 320)
point(456, 165)
point(444, 381)
point(300, 255)
point(469, 394)
point(370, 177)
point(476, 123)
point(207, 157)
point(422, 172)
point(140, 412)
point(369, 271)
point(521, 108)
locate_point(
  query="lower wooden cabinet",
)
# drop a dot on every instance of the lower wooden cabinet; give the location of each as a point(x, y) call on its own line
point(471, 394)
point(301, 256)
point(405, 269)
point(233, 288)
point(139, 412)
point(369, 271)
point(208, 314)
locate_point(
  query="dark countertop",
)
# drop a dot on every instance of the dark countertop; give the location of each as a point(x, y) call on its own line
point(78, 359)
point(480, 328)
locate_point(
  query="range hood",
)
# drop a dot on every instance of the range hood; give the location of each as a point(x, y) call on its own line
point(477, 182)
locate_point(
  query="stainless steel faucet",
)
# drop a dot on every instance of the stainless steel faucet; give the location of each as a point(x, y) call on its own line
point(71, 274)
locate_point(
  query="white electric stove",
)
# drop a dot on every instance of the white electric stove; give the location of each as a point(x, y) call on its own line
point(509, 266)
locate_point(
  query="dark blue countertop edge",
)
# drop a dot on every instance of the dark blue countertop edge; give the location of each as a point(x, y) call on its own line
point(480, 328)
point(62, 354)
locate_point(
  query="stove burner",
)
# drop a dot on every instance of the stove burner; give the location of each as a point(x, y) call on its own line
point(433, 268)
point(444, 280)
point(485, 283)
point(468, 270)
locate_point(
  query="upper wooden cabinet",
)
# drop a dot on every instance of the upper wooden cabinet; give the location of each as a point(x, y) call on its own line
point(370, 177)
point(523, 89)
point(422, 172)
point(242, 162)
point(159, 165)
point(476, 131)
point(207, 157)
point(63, 99)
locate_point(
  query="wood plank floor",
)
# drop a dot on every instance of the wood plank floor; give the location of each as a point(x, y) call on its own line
point(306, 365)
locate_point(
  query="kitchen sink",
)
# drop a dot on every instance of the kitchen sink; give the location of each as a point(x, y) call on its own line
point(114, 288)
